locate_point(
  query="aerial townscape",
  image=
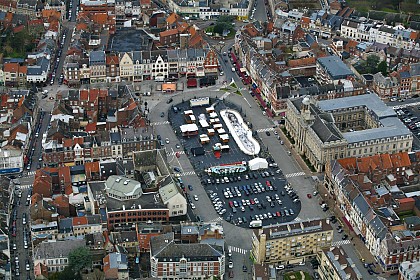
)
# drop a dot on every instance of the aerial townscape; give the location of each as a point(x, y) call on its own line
point(210, 139)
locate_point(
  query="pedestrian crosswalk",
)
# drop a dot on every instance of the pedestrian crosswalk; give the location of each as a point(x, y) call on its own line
point(297, 219)
point(265, 129)
point(340, 243)
point(30, 173)
point(216, 220)
point(25, 187)
point(169, 154)
point(226, 94)
point(238, 250)
point(188, 173)
point(297, 174)
point(160, 123)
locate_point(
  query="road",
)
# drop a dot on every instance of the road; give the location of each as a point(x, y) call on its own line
point(21, 253)
point(260, 13)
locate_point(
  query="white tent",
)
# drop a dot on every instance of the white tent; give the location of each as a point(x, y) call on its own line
point(258, 163)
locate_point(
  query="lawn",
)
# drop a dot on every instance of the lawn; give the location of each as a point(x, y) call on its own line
point(296, 275)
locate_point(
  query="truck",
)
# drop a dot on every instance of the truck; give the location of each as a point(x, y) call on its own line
point(255, 224)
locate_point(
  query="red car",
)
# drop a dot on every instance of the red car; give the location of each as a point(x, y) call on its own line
point(309, 195)
point(252, 201)
point(231, 204)
point(268, 183)
point(278, 214)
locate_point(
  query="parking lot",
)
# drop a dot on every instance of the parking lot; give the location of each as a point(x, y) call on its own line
point(243, 196)
point(410, 116)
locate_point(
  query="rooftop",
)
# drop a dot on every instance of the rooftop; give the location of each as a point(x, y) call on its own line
point(122, 188)
point(57, 249)
point(335, 67)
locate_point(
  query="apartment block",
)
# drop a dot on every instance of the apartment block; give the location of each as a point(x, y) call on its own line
point(291, 242)
point(335, 265)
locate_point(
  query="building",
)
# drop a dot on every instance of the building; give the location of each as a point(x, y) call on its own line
point(330, 69)
point(54, 254)
point(97, 66)
point(359, 125)
point(172, 197)
point(369, 191)
point(336, 265)
point(291, 242)
point(409, 270)
point(116, 266)
point(38, 73)
point(125, 202)
point(11, 160)
point(169, 259)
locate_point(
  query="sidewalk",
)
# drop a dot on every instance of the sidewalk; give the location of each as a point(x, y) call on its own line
point(296, 155)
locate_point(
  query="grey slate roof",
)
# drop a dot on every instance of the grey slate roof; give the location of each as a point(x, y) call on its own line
point(335, 67)
point(325, 130)
point(164, 248)
point(57, 249)
point(361, 204)
point(97, 58)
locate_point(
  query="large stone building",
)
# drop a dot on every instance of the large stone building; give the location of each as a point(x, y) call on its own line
point(172, 260)
point(291, 242)
point(352, 126)
point(335, 264)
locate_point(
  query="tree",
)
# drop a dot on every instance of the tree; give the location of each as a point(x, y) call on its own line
point(66, 274)
point(382, 67)
point(226, 18)
point(372, 61)
point(79, 259)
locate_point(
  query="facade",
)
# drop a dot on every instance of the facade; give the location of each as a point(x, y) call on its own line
point(291, 242)
point(172, 197)
point(97, 66)
point(116, 266)
point(11, 160)
point(367, 30)
point(169, 259)
point(359, 125)
point(361, 188)
point(54, 254)
point(336, 265)
point(38, 73)
point(125, 202)
point(409, 270)
point(331, 69)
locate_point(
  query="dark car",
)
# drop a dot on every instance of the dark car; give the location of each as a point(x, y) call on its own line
point(169, 100)
point(345, 236)
point(267, 133)
point(244, 268)
point(190, 187)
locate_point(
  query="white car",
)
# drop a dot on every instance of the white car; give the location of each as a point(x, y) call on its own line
point(195, 197)
point(192, 206)
point(230, 264)
point(167, 140)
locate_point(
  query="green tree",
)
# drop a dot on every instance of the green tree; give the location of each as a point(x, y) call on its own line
point(79, 259)
point(372, 61)
point(220, 27)
point(382, 67)
point(226, 18)
point(66, 274)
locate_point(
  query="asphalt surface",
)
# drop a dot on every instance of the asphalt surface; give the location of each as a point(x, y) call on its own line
point(260, 13)
point(244, 208)
point(20, 253)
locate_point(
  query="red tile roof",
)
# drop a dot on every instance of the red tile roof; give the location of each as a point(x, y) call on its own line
point(80, 221)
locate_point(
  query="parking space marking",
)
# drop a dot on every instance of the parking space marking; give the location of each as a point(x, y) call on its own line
point(159, 123)
point(238, 250)
point(265, 129)
point(188, 173)
point(297, 174)
point(340, 243)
